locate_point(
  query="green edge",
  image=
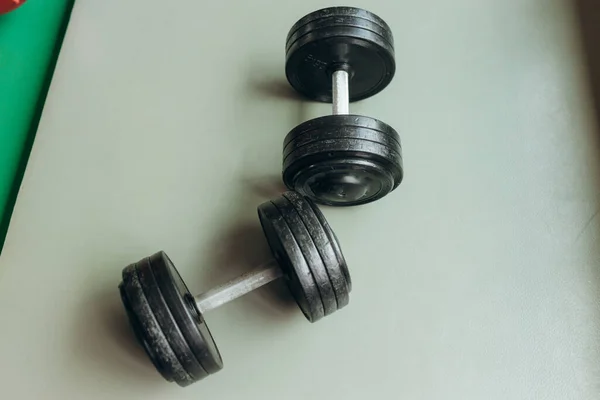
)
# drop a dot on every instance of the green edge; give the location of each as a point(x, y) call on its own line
point(30, 41)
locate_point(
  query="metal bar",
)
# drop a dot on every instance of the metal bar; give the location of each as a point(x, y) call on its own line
point(341, 93)
point(238, 287)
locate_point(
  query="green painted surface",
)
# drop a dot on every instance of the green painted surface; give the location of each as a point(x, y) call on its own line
point(30, 38)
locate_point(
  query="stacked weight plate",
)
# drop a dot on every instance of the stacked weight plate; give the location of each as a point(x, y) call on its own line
point(166, 323)
point(346, 37)
point(337, 157)
point(308, 251)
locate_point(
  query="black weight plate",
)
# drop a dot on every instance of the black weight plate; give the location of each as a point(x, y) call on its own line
point(338, 273)
point(333, 240)
point(311, 60)
point(342, 133)
point(340, 21)
point(331, 122)
point(138, 330)
point(286, 251)
point(340, 38)
point(167, 322)
point(310, 253)
point(338, 12)
point(327, 147)
point(342, 181)
point(189, 319)
point(153, 338)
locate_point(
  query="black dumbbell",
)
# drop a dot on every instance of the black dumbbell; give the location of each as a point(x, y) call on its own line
point(338, 55)
point(168, 321)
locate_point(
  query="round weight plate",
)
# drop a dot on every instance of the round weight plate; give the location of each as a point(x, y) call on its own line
point(340, 38)
point(333, 240)
point(343, 171)
point(286, 251)
point(167, 322)
point(339, 12)
point(343, 159)
point(153, 339)
point(329, 123)
point(338, 272)
point(337, 21)
point(342, 133)
point(189, 319)
point(310, 253)
point(340, 181)
point(365, 148)
point(138, 330)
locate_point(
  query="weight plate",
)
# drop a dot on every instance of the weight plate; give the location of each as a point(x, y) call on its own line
point(138, 330)
point(327, 147)
point(167, 323)
point(341, 181)
point(338, 272)
point(337, 21)
point(340, 38)
point(342, 133)
point(286, 251)
point(340, 12)
point(333, 240)
point(332, 122)
point(145, 325)
point(310, 253)
point(189, 319)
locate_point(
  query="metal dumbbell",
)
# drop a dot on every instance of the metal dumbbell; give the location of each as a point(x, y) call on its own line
point(339, 55)
point(169, 322)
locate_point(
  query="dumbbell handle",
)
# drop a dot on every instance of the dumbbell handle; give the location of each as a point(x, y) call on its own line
point(238, 287)
point(341, 92)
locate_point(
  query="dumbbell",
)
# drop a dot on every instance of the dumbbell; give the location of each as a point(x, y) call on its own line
point(339, 55)
point(169, 322)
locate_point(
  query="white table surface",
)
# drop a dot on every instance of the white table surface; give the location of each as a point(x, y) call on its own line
point(477, 279)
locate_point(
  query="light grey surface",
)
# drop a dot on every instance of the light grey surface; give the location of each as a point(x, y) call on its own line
point(477, 279)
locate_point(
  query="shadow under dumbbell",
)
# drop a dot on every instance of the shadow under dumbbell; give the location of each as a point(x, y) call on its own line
point(105, 342)
point(278, 88)
point(239, 249)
